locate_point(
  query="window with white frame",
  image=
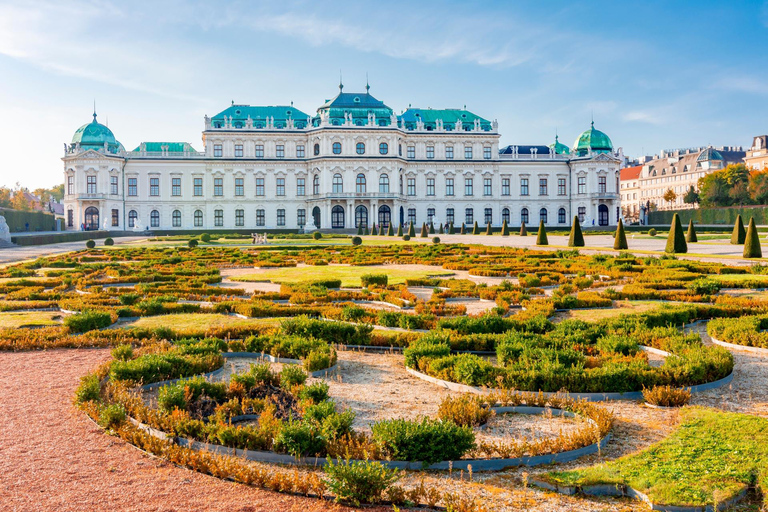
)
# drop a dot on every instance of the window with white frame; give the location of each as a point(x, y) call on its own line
point(280, 217)
point(338, 184)
point(301, 216)
point(239, 217)
point(523, 186)
point(561, 216)
point(176, 218)
point(411, 152)
point(239, 186)
point(468, 152)
point(113, 185)
point(70, 185)
point(198, 182)
point(316, 185)
point(300, 151)
point(469, 187)
point(449, 152)
point(412, 216)
point(360, 148)
point(218, 187)
point(238, 150)
point(90, 184)
point(176, 187)
point(582, 212)
point(260, 217)
point(505, 188)
point(430, 151)
point(543, 215)
point(449, 186)
point(154, 219)
point(430, 186)
point(217, 150)
point(384, 184)
point(259, 186)
point(524, 215)
point(336, 148)
point(582, 185)
point(300, 191)
point(154, 187)
point(280, 151)
point(360, 184)
point(280, 187)
point(198, 218)
point(383, 148)
point(487, 186)
point(218, 218)
point(505, 215)
point(488, 216)
point(132, 216)
point(259, 152)
point(133, 187)
point(561, 187)
point(543, 187)
point(430, 214)
point(449, 213)
point(115, 217)
point(601, 184)
point(487, 153)
point(411, 191)
point(469, 216)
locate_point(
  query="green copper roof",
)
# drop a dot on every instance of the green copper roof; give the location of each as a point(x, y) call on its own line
point(171, 147)
point(357, 105)
point(709, 154)
point(259, 115)
point(559, 147)
point(448, 116)
point(592, 140)
point(93, 136)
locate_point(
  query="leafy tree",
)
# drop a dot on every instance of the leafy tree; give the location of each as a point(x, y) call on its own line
point(758, 187)
point(725, 187)
point(676, 239)
point(5, 197)
point(670, 196)
point(19, 201)
point(691, 197)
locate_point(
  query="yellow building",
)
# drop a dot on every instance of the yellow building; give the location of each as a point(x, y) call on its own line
point(757, 155)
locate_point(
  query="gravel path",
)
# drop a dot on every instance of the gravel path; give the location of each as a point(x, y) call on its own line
point(53, 458)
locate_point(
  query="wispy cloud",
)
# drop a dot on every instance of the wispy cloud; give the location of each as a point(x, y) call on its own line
point(743, 83)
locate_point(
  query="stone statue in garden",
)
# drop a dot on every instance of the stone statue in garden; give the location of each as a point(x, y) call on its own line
point(5, 231)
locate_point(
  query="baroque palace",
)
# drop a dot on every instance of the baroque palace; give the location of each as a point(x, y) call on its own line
point(354, 163)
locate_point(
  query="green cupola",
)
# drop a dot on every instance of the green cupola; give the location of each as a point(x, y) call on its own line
point(94, 135)
point(593, 141)
point(559, 147)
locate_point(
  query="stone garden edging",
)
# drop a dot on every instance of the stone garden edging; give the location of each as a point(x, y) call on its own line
point(740, 348)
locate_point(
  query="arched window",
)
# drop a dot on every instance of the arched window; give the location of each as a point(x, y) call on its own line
point(360, 184)
point(338, 184)
point(543, 215)
point(524, 215)
point(505, 215)
point(385, 216)
point(198, 218)
point(316, 185)
point(360, 148)
point(602, 215)
point(383, 185)
point(361, 217)
point(91, 218)
point(317, 149)
point(154, 219)
point(337, 217)
point(383, 148)
point(176, 218)
point(337, 148)
point(561, 216)
point(132, 216)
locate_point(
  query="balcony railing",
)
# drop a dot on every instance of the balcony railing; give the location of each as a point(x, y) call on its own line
point(355, 195)
point(91, 196)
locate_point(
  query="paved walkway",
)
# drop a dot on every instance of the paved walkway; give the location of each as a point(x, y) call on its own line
point(30, 252)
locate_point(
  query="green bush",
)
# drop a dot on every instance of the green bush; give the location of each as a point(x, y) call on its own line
point(171, 397)
point(90, 244)
point(331, 332)
point(356, 240)
point(109, 241)
point(368, 280)
point(299, 439)
point(690, 236)
point(112, 416)
point(374, 231)
point(436, 240)
point(427, 346)
point(359, 481)
point(576, 238)
point(317, 235)
point(704, 286)
point(541, 236)
point(89, 389)
point(192, 243)
point(676, 240)
point(122, 352)
point(316, 392)
point(88, 320)
point(205, 237)
point(652, 232)
point(739, 234)
point(475, 229)
point(291, 376)
point(424, 440)
point(523, 230)
point(411, 230)
point(504, 228)
point(620, 241)
point(752, 247)
point(406, 237)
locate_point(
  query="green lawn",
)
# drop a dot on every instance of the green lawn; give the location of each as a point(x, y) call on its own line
point(197, 324)
point(349, 275)
point(620, 307)
point(739, 278)
point(15, 320)
point(711, 457)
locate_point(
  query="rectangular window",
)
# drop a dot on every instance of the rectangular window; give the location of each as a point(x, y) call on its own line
point(487, 153)
point(601, 184)
point(489, 216)
point(561, 187)
point(259, 151)
point(449, 152)
point(239, 188)
point(113, 185)
point(582, 184)
point(280, 217)
point(218, 186)
point(582, 213)
point(239, 217)
point(259, 186)
point(430, 214)
point(238, 150)
point(260, 218)
point(217, 150)
point(198, 219)
point(469, 187)
point(487, 186)
point(449, 215)
point(154, 187)
point(91, 184)
point(198, 182)
point(300, 151)
point(70, 185)
point(411, 151)
point(115, 217)
point(430, 186)
point(280, 151)
point(280, 185)
point(176, 219)
point(449, 186)
point(176, 187)
point(300, 186)
point(523, 186)
point(133, 187)
point(218, 218)
point(430, 151)
point(70, 218)
point(301, 216)
point(412, 216)
point(543, 189)
point(468, 152)
point(469, 216)
point(505, 187)
point(411, 186)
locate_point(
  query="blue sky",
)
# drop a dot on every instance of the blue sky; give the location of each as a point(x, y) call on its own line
point(655, 74)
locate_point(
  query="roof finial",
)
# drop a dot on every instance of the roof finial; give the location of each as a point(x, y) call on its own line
point(367, 86)
point(592, 114)
point(94, 110)
point(341, 84)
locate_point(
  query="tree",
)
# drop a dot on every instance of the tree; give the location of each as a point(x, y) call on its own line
point(400, 230)
point(463, 229)
point(374, 232)
point(19, 200)
point(411, 230)
point(523, 231)
point(739, 234)
point(360, 230)
point(576, 238)
point(440, 230)
point(670, 196)
point(691, 237)
point(620, 241)
point(725, 187)
point(676, 239)
point(541, 236)
point(504, 228)
point(752, 247)
point(390, 230)
point(5, 197)
point(451, 229)
point(475, 229)
point(431, 228)
point(691, 197)
point(489, 229)
point(424, 230)
point(758, 187)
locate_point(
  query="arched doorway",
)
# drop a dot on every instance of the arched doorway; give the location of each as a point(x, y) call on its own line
point(385, 216)
point(316, 216)
point(602, 215)
point(91, 218)
point(361, 217)
point(337, 217)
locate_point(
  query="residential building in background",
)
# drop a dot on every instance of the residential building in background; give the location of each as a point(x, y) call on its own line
point(630, 193)
point(757, 156)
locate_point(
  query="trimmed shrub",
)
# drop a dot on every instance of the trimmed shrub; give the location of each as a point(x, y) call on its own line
point(739, 234)
point(89, 389)
point(541, 236)
point(360, 230)
point(690, 236)
point(427, 440)
point(360, 481)
point(427, 346)
point(291, 376)
point(205, 237)
point(390, 230)
point(752, 247)
point(475, 229)
point(463, 230)
point(192, 243)
point(406, 237)
point(374, 231)
point(356, 240)
point(652, 232)
point(317, 235)
point(399, 230)
point(299, 439)
point(431, 228)
point(576, 238)
point(122, 352)
point(90, 244)
point(667, 396)
point(436, 240)
point(411, 230)
point(620, 241)
point(88, 320)
point(676, 240)
point(374, 280)
point(440, 230)
point(112, 416)
point(424, 230)
point(504, 228)
point(523, 231)
point(451, 230)
point(489, 229)
point(109, 241)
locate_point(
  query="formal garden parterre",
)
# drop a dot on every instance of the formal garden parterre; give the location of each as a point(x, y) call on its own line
point(219, 379)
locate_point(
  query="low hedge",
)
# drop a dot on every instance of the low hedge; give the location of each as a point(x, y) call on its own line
point(425, 440)
point(749, 331)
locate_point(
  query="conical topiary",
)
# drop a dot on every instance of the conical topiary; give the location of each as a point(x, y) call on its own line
point(523, 231)
point(739, 234)
point(424, 230)
point(463, 229)
point(390, 230)
point(504, 228)
point(541, 236)
point(690, 236)
point(475, 229)
point(620, 242)
point(576, 239)
point(367, 231)
point(373, 230)
point(440, 230)
point(431, 228)
point(411, 230)
point(676, 240)
point(400, 231)
point(359, 230)
point(489, 229)
point(752, 247)
point(451, 230)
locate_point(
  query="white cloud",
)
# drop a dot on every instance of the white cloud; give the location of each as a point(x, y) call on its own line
point(743, 83)
point(644, 116)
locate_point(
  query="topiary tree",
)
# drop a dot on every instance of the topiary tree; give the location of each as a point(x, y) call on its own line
point(205, 237)
point(399, 230)
point(541, 236)
point(90, 244)
point(406, 237)
point(739, 234)
point(576, 239)
point(676, 240)
point(451, 230)
point(620, 241)
point(463, 229)
point(109, 241)
point(440, 230)
point(690, 236)
point(504, 228)
point(431, 228)
point(752, 247)
point(489, 229)
point(411, 231)
point(356, 240)
point(475, 229)
point(436, 240)
point(367, 231)
point(424, 231)
point(359, 230)
point(523, 231)
point(373, 230)
point(317, 235)
point(192, 243)
point(390, 230)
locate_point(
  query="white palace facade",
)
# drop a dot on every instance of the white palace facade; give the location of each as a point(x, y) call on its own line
point(355, 162)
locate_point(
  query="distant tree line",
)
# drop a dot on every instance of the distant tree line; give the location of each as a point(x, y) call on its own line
point(736, 185)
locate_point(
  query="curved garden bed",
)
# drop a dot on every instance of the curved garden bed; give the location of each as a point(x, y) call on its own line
point(747, 333)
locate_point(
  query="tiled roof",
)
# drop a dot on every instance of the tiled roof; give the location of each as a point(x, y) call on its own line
point(259, 115)
point(448, 116)
point(631, 173)
point(172, 147)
